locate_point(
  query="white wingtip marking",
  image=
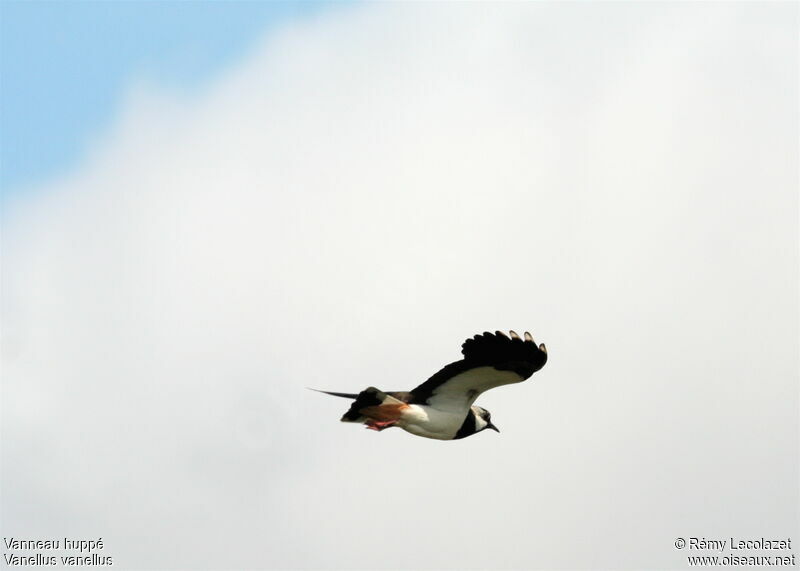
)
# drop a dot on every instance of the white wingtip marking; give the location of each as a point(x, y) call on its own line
point(542, 348)
point(528, 337)
point(513, 334)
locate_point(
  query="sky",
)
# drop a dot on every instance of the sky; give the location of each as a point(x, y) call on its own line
point(66, 66)
point(338, 201)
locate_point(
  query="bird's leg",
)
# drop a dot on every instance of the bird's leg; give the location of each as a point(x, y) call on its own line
point(379, 424)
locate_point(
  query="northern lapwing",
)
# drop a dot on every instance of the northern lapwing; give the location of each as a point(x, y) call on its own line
point(441, 407)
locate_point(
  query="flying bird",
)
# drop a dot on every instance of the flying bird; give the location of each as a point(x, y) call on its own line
point(442, 407)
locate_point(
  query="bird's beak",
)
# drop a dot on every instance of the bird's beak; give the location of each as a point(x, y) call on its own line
point(493, 427)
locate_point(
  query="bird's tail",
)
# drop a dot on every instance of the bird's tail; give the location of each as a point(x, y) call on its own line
point(343, 395)
point(374, 404)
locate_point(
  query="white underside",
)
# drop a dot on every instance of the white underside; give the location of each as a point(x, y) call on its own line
point(450, 403)
point(422, 420)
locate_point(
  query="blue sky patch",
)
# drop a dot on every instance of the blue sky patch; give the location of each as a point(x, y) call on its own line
point(64, 66)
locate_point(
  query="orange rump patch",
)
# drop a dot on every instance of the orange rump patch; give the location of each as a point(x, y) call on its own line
point(384, 411)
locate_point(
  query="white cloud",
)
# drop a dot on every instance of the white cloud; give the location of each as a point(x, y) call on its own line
point(341, 210)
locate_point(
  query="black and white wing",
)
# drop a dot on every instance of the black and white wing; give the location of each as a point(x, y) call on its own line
point(490, 360)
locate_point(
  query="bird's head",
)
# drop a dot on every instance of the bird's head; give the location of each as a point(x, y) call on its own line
point(483, 419)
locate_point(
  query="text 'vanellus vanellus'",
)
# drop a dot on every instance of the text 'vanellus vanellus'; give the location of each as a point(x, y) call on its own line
point(441, 407)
